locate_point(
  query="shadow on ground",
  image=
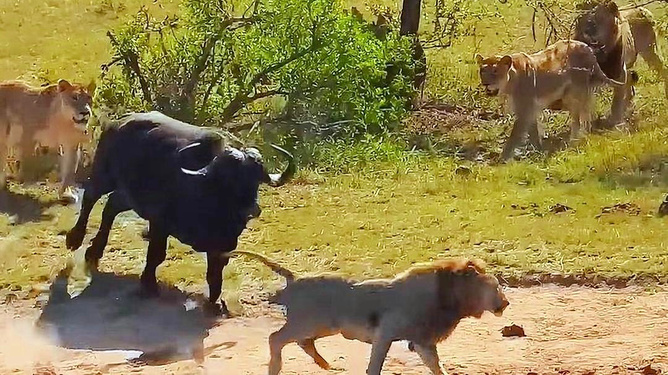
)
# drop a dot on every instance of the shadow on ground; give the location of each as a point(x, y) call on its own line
point(110, 315)
point(23, 208)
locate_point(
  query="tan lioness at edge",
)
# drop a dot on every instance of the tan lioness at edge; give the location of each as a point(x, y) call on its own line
point(51, 116)
point(562, 76)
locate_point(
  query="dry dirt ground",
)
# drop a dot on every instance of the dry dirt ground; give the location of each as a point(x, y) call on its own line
point(573, 330)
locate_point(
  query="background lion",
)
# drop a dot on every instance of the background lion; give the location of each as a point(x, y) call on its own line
point(562, 76)
point(422, 305)
point(53, 116)
point(617, 37)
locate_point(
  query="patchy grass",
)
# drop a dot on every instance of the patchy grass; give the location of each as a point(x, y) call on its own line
point(373, 209)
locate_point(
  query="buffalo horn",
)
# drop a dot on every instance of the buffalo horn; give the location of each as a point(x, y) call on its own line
point(277, 179)
point(190, 172)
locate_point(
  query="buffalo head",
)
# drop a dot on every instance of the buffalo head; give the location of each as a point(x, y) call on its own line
point(222, 196)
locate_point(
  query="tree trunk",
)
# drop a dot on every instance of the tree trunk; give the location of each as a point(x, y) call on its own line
point(410, 17)
point(410, 23)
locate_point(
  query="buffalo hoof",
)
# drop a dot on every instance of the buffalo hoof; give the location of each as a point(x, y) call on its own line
point(74, 239)
point(149, 290)
point(217, 310)
point(144, 234)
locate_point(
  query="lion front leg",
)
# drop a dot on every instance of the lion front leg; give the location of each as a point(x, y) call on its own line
point(621, 100)
point(525, 121)
point(68, 167)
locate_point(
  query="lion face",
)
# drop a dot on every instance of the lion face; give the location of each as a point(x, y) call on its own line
point(598, 26)
point(76, 102)
point(663, 208)
point(471, 291)
point(494, 73)
point(486, 295)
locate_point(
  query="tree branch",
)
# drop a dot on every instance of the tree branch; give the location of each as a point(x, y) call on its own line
point(207, 50)
point(243, 96)
point(132, 61)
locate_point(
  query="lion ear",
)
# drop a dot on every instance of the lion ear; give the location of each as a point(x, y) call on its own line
point(479, 59)
point(614, 9)
point(506, 61)
point(63, 85)
point(91, 87)
point(474, 267)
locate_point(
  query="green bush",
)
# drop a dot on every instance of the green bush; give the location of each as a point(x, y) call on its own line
point(288, 59)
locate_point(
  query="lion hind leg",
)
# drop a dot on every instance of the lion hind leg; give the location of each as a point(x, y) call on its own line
point(429, 356)
point(655, 63)
point(3, 165)
point(308, 346)
point(289, 333)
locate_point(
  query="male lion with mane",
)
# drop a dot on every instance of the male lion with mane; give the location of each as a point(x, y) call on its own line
point(617, 37)
point(51, 116)
point(422, 305)
point(562, 76)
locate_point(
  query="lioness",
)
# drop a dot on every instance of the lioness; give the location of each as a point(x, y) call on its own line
point(422, 305)
point(562, 76)
point(617, 37)
point(51, 116)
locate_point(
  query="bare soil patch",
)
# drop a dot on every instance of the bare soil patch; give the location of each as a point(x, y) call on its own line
point(575, 330)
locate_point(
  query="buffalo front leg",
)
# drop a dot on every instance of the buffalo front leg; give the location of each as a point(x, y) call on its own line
point(215, 264)
point(115, 205)
point(76, 235)
point(157, 251)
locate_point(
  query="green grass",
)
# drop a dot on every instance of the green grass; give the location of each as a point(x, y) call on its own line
point(373, 209)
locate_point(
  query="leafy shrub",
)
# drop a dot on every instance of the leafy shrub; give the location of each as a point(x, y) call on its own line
point(288, 59)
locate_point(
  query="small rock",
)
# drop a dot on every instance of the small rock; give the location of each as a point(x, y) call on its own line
point(559, 208)
point(463, 170)
point(648, 370)
point(513, 331)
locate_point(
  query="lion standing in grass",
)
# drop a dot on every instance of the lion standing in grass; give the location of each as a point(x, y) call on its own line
point(53, 116)
point(562, 76)
point(617, 37)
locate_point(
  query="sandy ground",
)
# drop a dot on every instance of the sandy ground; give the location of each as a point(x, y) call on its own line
point(572, 330)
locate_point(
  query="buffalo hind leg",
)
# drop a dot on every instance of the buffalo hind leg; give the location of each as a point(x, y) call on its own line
point(215, 264)
point(157, 251)
point(115, 205)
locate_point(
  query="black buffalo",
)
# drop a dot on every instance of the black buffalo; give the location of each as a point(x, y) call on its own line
point(184, 180)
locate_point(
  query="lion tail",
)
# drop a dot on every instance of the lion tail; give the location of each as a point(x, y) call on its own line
point(282, 271)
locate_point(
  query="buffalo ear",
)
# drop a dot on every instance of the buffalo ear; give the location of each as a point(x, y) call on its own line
point(63, 85)
point(479, 59)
